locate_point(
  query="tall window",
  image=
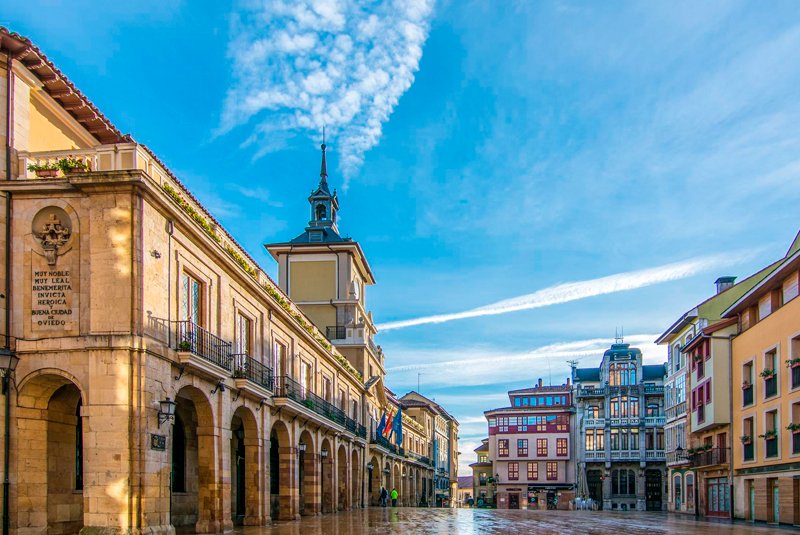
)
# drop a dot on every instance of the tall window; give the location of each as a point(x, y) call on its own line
point(244, 334)
point(747, 384)
point(279, 359)
point(502, 447)
point(522, 447)
point(796, 420)
point(533, 471)
point(615, 439)
point(191, 299)
point(561, 446)
point(593, 411)
point(652, 409)
point(771, 382)
point(541, 447)
point(354, 410)
point(513, 471)
point(306, 377)
point(614, 405)
point(748, 450)
point(622, 373)
point(795, 354)
point(772, 439)
point(327, 390)
point(552, 470)
point(623, 482)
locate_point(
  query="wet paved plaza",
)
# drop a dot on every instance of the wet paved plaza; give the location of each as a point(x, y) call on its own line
point(482, 521)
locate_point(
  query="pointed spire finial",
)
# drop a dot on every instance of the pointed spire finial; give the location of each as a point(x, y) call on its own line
point(323, 172)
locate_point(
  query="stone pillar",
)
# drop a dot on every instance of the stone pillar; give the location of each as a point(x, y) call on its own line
point(255, 515)
point(208, 493)
point(289, 495)
point(226, 465)
point(311, 482)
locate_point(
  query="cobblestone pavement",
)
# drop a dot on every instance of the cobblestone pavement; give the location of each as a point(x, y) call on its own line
point(402, 520)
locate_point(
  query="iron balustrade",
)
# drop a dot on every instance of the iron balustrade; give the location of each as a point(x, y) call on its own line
point(653, 389)
point(249, 368)
point(749, 451)
point(710, 457)
point(336, 332)
point(591, 392)
point(772, 447)
point(198, 341)
point(795, 376)
point(795, 442)
point(383, 442)
point(286, 387)
point(770, 386)
point(747, 394)
point(419, 457)
point(674, 457)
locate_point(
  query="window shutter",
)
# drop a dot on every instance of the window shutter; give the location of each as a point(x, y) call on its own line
point(764, 306)
point(790, 286)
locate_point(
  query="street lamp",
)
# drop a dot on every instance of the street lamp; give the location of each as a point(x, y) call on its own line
point(323, 454)
point(8, 363)
point(301, 447)
point(370, 466)
point(166, 411)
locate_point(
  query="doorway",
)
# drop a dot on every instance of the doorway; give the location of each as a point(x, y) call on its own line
point(513, 500)
point(652, 490)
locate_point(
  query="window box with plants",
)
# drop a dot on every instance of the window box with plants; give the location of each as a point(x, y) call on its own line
point(44, 170)
point(746, 439)
point(794, 428)
point(746, 385)
point(768, 374)
point(793, 363)
point(184, 345)
point(769, 435)
point(72, 165)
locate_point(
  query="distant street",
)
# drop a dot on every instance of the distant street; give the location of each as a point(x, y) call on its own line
point(481, 521)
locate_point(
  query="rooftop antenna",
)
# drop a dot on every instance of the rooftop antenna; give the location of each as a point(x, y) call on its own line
point(418, 374)
point(549, 373)
point(619, 335)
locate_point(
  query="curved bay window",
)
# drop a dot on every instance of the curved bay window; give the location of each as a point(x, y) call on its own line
point(622, 373)
point(623, 483)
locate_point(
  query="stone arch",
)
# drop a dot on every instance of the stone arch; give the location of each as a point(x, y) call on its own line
point(342, 487)
point(194, 497)
point(246, 468)
point(50, 471)
point(397, 481)
point(309, 472)
point(355, 479)
point(326, 474)
point(283, 486)
point(374, 481)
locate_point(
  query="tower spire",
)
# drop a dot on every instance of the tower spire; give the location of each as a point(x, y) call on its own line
point(323, 171)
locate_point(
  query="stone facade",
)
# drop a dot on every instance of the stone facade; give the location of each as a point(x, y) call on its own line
point(620, 431)
point(164, 381)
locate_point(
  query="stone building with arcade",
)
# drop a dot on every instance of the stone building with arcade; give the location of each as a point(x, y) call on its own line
point(157, 378)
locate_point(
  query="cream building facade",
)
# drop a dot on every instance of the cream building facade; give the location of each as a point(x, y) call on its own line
point(164, 381)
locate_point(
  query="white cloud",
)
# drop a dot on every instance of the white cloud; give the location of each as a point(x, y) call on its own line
point(572, 291)
point(323, 62)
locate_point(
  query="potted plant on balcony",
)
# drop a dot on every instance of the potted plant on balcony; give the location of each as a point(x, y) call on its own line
point(768, 374)
point(746, 384)
point(184, 345)
point(746, 439)
point(794, 428)
point(769, 435)
point(704, 447)
point(71, 165)
point(44, 170)
point(793, 363)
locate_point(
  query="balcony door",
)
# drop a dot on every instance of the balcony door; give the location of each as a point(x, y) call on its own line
point(191, 299)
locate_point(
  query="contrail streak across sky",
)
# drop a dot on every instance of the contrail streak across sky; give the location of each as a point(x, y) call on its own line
point(572, 291)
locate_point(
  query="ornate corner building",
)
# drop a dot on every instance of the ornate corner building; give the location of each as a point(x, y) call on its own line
point(164, 381)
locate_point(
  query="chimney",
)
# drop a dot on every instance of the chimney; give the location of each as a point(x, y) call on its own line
point(723, 283)
point(567, 381)
point(540, 381)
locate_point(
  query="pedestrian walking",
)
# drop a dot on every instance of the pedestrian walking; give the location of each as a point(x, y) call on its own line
point(394, 497)
point(383, 496)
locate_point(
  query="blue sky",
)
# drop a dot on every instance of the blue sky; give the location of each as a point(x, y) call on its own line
point(481, 154)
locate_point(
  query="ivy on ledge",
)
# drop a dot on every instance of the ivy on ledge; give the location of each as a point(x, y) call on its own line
point(284, 303)
point(241, 261)
point(189, 209)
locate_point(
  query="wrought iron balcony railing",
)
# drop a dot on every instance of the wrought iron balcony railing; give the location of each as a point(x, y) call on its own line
point(249, 368)
point(710, 457)
point(381, 441)
point(195, 339)
point(286, 387)
point(336, 332)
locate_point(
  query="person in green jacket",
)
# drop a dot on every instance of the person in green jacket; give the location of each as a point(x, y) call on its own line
point(394, 497)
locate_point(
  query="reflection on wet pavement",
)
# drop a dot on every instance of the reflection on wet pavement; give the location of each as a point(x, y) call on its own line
point(481, 521)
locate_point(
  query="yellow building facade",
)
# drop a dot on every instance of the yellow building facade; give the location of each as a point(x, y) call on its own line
point(163, 381)
point(766, 397)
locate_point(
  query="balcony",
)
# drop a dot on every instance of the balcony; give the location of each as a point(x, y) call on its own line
point(654, 455)
point(748, 451)
point(654, 390)
point(594, 422)
point(657, 421)
point(630, 455)
point(624, 421)
point(419, 458)
point(747, 396)
point(336, 332)
point(795, 442)
point(676, 411)
point(675, 458)
point(384, 443)
point(591, 392)
point(770, 386)
point(595, 456)
point(711, 457)
point(202, 351)
point(286, 387)
point(251, 376)
point(772, 447)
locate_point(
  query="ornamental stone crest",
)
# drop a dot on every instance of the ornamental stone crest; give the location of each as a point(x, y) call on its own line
point(52, 229)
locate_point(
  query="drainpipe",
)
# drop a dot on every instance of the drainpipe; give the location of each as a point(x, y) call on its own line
point(730, 409)
point(6, 378)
